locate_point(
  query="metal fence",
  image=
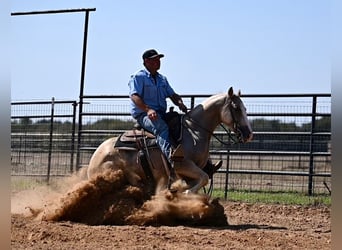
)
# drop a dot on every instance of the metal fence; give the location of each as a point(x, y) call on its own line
point(290, 150)
point(43, 138)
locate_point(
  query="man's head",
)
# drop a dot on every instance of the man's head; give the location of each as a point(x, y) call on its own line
point(150, 54)
point(152, 60)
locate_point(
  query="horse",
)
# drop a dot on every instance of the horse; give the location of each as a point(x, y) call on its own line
point(198, 126)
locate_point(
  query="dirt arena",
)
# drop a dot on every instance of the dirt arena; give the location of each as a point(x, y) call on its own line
point(106, 213)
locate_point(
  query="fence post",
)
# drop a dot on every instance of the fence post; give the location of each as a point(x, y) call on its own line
point(80, 108)
point(227, 177)
point(313, 129)
point(50, 141)
point(192, 102)
point(73, 129)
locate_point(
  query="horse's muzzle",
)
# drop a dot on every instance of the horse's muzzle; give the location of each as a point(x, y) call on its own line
point(249, 138)
point(245, 134)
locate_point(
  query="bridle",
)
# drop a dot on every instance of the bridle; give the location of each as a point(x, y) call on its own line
point(231, 106)
point(233, 137)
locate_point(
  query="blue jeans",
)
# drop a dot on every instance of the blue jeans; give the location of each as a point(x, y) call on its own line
point(160, 129)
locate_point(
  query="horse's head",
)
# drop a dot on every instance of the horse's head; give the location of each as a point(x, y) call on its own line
point(235, 116)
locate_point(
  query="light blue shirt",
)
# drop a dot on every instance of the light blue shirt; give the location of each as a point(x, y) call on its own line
point(153, 93)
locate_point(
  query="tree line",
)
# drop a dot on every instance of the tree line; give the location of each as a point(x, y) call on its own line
point(322, 124)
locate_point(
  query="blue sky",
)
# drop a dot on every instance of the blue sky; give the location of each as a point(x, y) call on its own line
point(260, 47)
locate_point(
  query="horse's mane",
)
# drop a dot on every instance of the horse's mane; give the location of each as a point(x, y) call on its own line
point(212, 99)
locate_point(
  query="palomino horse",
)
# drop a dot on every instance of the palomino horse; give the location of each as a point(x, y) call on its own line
point(198, 127)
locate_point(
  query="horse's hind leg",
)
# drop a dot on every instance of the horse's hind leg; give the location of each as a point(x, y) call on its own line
point(99, 166)
point(111, 159)
point(105, 157)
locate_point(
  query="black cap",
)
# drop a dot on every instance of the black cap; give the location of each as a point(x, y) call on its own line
point(151, 53)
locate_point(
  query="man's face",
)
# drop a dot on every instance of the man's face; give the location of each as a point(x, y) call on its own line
point(153, 64)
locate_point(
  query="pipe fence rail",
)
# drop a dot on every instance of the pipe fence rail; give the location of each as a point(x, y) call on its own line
point(290, 151)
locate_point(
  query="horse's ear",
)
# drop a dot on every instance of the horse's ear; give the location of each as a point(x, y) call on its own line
point(230, 92)
point(239, 93)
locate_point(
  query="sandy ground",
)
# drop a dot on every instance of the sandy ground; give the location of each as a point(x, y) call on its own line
point(250, 227)
point(106, 213)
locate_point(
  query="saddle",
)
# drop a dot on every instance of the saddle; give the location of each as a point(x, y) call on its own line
point(138, 138)
point(135, 139)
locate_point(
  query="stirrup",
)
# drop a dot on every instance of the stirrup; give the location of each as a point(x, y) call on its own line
point(177, 155)
point(172, 179)
point(172, 174)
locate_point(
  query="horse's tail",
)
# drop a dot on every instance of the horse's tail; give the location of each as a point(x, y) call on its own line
point(82, 173)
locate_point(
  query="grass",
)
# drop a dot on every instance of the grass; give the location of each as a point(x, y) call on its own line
point(21, 184)
point(285, 198)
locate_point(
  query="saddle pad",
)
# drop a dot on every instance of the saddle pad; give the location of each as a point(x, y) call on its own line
point(134, 140)
point(133, 135)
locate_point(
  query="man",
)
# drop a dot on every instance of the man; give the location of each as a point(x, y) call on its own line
point(148, 91)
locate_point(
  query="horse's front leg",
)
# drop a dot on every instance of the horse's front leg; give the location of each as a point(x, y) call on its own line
point(190, 170)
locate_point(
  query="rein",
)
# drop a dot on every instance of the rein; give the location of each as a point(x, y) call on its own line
point(228, 131)
point(233, 138)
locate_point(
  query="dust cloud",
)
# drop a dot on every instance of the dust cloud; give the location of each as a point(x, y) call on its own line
point(108, 199)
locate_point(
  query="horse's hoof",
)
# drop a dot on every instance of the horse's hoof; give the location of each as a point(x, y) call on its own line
point(187, 192)
point(217, 165)
point(173, 190)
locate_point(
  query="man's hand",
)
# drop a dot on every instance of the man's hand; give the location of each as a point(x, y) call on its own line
point(183, 107)
point(177, 100)
point(152, 114)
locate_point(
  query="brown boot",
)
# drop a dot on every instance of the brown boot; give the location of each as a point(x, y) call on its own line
point(210, 168)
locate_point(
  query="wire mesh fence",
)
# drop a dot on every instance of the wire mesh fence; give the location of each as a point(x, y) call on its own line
point(43, 138)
